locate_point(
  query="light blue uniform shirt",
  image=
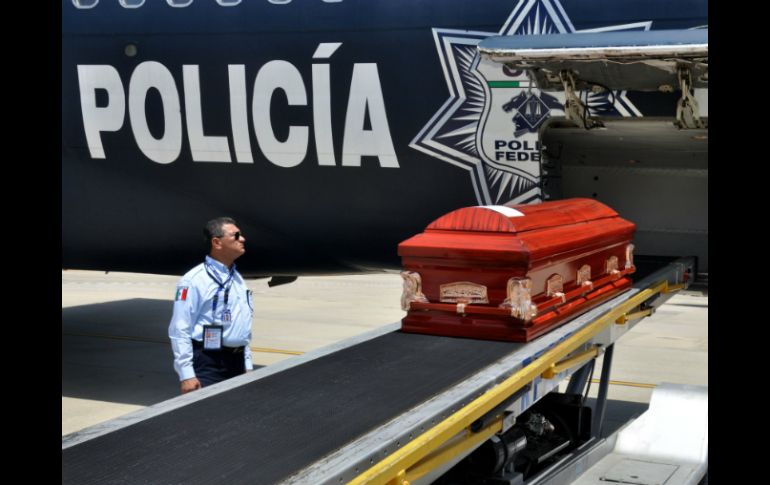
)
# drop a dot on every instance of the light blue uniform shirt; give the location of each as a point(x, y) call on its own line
point(193, 308)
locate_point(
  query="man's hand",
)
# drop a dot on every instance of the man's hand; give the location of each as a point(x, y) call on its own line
point(190, 384)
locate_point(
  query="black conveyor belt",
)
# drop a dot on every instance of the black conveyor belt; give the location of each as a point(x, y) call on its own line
point(266, 430)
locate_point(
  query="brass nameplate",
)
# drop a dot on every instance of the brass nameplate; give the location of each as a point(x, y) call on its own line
point(463, 292)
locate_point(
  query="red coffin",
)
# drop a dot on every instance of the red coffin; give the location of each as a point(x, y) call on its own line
point(514, 272)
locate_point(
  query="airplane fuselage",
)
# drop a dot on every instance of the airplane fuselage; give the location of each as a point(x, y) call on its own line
point(330, 130)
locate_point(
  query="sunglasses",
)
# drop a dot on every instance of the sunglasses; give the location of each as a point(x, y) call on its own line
point(236, 235)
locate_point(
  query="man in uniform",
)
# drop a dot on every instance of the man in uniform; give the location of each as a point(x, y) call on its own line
point(210, 329)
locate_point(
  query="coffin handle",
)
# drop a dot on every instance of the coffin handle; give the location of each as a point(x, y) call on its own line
point(412, 289)
point(519, 299)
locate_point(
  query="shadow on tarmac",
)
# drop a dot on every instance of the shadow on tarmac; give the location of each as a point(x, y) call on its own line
point(617, 413)
point(118, 352)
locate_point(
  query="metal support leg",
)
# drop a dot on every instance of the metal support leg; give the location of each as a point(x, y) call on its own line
point(601, 398)
point(578, 380)
point(574, 109)
point(687, 111)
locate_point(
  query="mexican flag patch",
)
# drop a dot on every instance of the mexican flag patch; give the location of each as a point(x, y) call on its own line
point(181, 293)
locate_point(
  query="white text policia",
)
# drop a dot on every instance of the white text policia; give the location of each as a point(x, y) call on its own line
point(365, 96)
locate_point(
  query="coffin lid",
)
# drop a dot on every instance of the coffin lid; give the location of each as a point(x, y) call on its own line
point(520, 218)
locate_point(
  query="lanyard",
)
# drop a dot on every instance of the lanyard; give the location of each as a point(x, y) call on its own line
point(220, 287)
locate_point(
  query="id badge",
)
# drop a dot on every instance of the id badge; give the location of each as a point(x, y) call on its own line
point(212, 337)
point(226, 316)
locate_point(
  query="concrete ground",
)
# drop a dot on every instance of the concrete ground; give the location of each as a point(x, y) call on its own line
point(116, 357)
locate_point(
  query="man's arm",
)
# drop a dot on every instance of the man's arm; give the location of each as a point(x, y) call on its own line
point(247, 365)
point(180, 333)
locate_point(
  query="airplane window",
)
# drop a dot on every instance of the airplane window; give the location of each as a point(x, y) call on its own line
point(228, 3)
point(332, 1)
point(131, 3)
point(279, 2)
point(179, 3)
point(85, 3)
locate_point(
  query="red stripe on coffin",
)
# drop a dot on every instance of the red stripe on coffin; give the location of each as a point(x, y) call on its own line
point(513, 273)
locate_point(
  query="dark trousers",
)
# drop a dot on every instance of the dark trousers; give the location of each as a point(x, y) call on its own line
point(212, 366)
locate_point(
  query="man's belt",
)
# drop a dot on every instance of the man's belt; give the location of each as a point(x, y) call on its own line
point(230, 350)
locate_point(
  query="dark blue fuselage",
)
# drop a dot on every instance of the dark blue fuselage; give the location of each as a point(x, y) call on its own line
point(327, 155)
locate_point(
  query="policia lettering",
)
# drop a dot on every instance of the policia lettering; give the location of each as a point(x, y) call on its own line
point(365, 96)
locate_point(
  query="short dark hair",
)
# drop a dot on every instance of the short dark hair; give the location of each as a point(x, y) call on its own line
point(214, 228)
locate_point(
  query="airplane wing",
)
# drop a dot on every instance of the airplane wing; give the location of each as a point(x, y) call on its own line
point(657, 60)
